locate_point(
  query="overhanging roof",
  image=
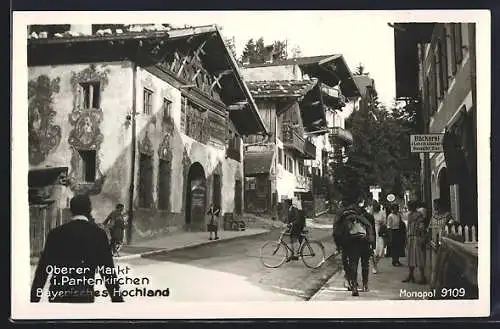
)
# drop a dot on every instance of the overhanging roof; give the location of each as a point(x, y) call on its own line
point(124, 46)
point(406, 38)
point(330, 69)
point(281, 88)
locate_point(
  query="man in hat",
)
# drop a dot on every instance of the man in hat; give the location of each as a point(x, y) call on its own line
point(73, 254)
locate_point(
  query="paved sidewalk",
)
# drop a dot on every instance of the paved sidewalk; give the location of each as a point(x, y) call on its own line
point(176, 241)
point(182, 240)
point(385, 285)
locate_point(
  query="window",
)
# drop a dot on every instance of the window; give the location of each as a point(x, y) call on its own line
point(290, 165)
point(456, 46)
point(148, 101)
point(280, 155)
point(439, 73)
point(300, 166)
point(433, 89)
point(458, 43)
point(145, 181)
point(167, 108)
point(427, 96)
point(91, 95)
point(88, 165)
point(443, 57)
point(163, 184)
point(216, 195)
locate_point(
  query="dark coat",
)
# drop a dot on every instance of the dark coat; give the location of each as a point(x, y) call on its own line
point(78, 245)
point(117, 225)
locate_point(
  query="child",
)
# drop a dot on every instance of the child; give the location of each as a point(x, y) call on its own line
point(212, 226)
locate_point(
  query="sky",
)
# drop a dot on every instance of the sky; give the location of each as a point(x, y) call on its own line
point(360, 38)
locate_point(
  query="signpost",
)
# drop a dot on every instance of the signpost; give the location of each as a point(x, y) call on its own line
point(427, 143)
point(391, 197)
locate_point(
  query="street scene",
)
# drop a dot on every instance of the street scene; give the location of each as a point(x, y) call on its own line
point(199, 160)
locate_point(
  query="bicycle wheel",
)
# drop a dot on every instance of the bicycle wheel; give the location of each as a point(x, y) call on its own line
point(312, 254)
point(273, 254)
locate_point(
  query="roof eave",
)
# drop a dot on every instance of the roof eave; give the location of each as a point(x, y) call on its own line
point(253, 106)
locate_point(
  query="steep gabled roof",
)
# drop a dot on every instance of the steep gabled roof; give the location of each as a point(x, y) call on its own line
point(281, 88)
point(330, 69)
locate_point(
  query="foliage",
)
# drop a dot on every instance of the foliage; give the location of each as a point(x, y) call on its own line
point(380, 154)
point(257, 51)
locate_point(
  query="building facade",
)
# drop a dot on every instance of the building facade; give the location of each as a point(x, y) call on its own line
point(150, 117)
point(299, 100)
point(440, 72)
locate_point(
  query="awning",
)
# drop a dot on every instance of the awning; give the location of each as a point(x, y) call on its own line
point(256, 163)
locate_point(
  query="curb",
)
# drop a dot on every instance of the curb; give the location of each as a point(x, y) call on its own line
point(339, 268)
point(167, 250)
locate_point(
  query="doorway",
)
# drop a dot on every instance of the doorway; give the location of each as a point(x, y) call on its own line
point(195, 198)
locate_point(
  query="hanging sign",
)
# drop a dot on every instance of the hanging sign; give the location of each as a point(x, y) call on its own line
point(428, 143)
point(391, 197)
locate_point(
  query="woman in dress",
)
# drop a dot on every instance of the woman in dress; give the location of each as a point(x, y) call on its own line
point(416, 243)
point(380, 234)
point(397, 235)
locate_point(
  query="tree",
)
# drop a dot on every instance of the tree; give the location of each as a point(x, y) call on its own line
point(257, 52)
point(249, 53)
point(380, 154)
point(360, 70)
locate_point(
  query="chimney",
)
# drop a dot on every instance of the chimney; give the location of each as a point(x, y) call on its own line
point(81, 29)
point(268, 54)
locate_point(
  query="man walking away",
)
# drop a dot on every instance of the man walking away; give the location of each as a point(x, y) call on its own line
point(116, 224)
point(355, 234)
point(339, 243)
point(371, 220)
point(79, 248)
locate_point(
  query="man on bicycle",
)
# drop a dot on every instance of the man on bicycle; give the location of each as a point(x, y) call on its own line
point(296, 224)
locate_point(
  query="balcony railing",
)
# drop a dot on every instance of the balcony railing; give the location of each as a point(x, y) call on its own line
point(309, 150)
point(293, 140)
point(340, 134)
point(334, 95)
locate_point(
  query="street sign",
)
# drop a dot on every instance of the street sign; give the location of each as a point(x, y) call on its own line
point(391, 197)
point(428, 143)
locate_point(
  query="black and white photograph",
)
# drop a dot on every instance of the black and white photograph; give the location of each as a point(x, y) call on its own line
point(242, 164)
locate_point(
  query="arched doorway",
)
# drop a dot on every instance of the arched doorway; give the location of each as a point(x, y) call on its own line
point(195, 198)
point(444, 189)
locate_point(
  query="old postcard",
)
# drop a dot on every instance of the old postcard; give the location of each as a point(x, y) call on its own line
point(285, 164)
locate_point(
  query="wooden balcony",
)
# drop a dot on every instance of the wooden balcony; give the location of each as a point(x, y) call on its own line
point(340, 135)
point(309, 150)
point(292, 140)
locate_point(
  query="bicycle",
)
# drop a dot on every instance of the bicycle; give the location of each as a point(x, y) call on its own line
point(308, 251)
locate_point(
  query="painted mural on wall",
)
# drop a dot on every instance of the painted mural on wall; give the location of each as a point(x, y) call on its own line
point(44, 136)
point(86, 119)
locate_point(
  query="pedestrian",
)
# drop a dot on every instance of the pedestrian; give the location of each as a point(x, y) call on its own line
point(439, 219)
point(381, 234)
point(296, 224)
point(366, 212)
point(354, 234)
point(116, 224)
point(79, 249)
point(338, 240)
point(416, 243)
point(397, 235)
point(212, 227)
